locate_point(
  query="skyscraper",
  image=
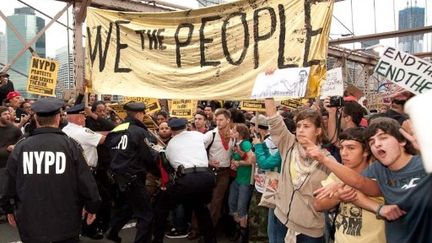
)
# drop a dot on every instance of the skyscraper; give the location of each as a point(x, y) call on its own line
point(208, 3)
point(28, 25)
point(411, 17)
point(65, 80)
point(3, 49)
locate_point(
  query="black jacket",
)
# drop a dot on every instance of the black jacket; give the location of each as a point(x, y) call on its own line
point(98, 125)
point(129, 152)
point(4, 90)
point(49, 198)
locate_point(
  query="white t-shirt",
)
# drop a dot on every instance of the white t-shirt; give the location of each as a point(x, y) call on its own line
point(87, 139)
point(217, 151)
point(187, 149)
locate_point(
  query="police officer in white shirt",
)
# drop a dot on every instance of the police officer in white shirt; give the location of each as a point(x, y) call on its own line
point(88, 139)
point(193, 186)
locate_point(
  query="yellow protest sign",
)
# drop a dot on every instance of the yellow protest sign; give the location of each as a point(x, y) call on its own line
point(206, 54)
point(252, 105)
point(119, 110)
point(293, 103)
point(152, 104)
point(182, 108)
point(42, 77)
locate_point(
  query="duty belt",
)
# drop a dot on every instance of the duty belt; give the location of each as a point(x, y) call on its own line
point(181, 171)
point(195, 170)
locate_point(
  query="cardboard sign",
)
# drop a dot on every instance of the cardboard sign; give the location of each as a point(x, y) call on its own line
point(207, 53)
point(118, 109)
point(333, 85)
point(42, 77)
point(288, 82)
point(406, 70)
point(152, 105)
point(293, 103)
point(252, 105)
point(182, 108)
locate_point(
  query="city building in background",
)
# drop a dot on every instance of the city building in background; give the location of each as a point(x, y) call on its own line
point(3, 49)
point(411, 17)
point(28, 25)
point(65, 77)
point(208, 3)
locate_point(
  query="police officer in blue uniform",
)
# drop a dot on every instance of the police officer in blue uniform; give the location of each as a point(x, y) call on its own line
point(49, 182)
point(194, 183)
point(131, 158)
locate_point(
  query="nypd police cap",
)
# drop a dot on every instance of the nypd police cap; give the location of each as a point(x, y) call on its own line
point(47, 106)
point(134, 106)
point(76, 109)
point(177, 124)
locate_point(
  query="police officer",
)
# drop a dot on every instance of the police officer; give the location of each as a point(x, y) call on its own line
point(89, 140)
point(131, 159)
point(194, 181)
point(50, 182)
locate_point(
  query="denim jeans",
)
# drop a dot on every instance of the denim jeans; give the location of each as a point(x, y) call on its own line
point(239, 198)
point(276, 230)
point(179, 220)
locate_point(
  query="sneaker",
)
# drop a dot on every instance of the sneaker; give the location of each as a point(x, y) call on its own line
point(193, 235)
point(176, 234)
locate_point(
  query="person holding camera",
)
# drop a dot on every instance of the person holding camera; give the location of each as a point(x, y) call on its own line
point(341, 116)
point(194, 182)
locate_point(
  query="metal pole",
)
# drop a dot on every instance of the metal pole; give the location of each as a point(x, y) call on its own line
point(34, 39)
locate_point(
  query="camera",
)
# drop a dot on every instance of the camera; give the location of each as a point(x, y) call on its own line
point(336, 101)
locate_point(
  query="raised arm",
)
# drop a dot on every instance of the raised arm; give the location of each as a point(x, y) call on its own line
point(345, 174)
point(280, 134)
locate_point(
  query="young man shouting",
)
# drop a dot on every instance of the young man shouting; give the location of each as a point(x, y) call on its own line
point(398, 175)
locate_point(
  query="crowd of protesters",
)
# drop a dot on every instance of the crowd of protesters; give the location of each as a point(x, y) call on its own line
point(316, 173)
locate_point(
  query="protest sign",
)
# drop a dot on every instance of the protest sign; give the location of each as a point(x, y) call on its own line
point(333, 85)
point(406, 70)
point(152, 105)
point(182, 108)
point(252, 105)
point(42, 77)
point(288, 82)
point(119, 110)
point(208, 53)
point(293, 103)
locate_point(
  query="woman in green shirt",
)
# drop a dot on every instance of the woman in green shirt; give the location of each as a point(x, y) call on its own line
point(240, 194)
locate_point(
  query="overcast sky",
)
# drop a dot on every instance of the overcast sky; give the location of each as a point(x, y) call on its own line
point(363, 18)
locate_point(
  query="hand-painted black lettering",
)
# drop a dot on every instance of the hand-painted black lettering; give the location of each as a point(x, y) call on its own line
point(309, 34)
point(98, 46)
point(160, 39)
point(204, 41)
point(257, 36)
point(184, 43)
point(141, 33)
point(151, 36)
point(281, 50)
point(245, 36)
point(120, 46)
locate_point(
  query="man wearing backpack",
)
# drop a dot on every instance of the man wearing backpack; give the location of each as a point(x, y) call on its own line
point(131, 159)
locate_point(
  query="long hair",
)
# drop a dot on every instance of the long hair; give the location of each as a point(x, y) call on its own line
point(314, 117)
